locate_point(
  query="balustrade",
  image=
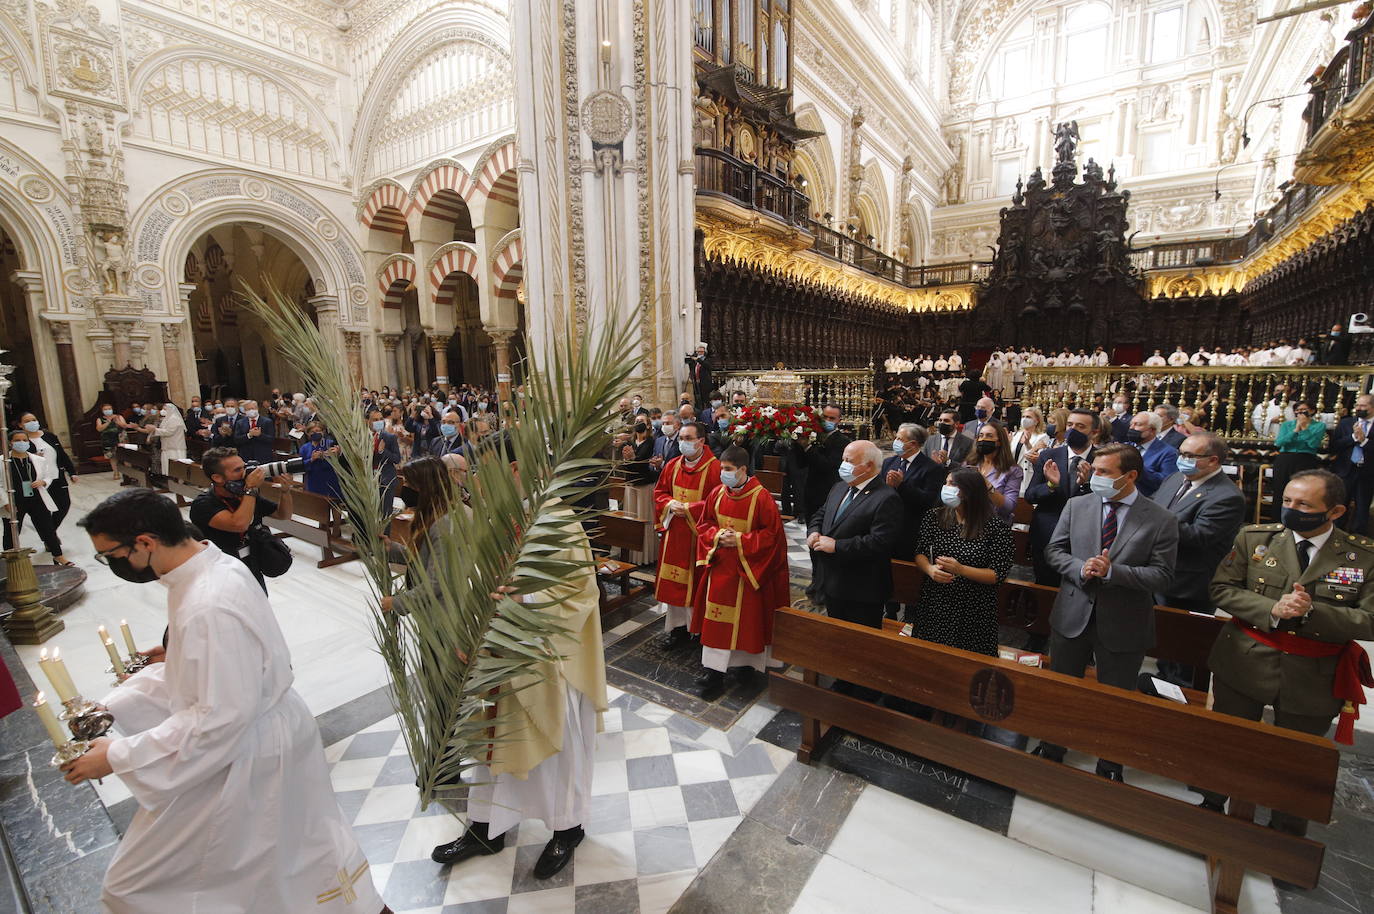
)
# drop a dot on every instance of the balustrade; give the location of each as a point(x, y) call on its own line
point(1232, 401)
point(851, 390)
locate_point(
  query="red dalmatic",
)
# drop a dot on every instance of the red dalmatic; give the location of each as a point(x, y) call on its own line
point(677, 551)
point(742, 586)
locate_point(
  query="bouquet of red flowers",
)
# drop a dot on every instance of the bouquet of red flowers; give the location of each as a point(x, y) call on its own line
point(785, 423)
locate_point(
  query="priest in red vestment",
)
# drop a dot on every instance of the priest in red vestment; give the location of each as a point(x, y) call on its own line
point(685, 480)
point(742, 554)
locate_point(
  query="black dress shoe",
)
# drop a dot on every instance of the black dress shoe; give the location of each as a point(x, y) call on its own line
point(1043, 752)
point(710, 685)
point(675, 639)
point(473, 843)
point(1213, 805)
point(558, 852)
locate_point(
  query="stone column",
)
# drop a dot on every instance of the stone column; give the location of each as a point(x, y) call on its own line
point(66, 362)
point(120, 331)
point(171, 351)
point(439, 344)
point(327, 317)
point(353, 349)
point(393, 365)
point(500, 348)
point(603, 123)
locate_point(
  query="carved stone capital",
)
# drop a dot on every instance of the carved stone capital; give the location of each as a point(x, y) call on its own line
point(353, 341)
point(61, 332)
point(501, 337)
point(390, 341)
point(171, 335)
point(120, 331)
point(439, 343)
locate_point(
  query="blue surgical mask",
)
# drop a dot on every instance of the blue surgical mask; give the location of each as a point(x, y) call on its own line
point(828, 425)
point(447, 430)
point(1051, 429)
point(378, 425)
point(658, 424)
point(231, 410)
point(1187, 465)
point(31, 426)
point(950, 496)
point(482, 405)
point(108, 412)
point(847, 471)
point(714, 402)
point(138, 410)
point(1075, 439)
point(732, 478)
point(724, 423)
point(981, 413)
point(20, 446)
point(1103, 486)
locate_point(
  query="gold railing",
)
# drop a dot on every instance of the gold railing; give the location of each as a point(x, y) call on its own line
point(1227, 396)
point(851, 389)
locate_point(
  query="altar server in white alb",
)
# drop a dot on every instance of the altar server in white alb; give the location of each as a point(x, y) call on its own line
point(236, 813)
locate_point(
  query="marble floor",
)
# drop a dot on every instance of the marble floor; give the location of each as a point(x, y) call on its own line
point(690, 818)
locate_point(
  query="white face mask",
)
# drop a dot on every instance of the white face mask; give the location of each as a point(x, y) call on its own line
point(1027, 422)
point(732, 479)
point(950, 496)
point(690, 449)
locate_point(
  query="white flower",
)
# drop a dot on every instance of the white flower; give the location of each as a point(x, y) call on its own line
point(798, 430)
point(767, 411)
point(744, 427)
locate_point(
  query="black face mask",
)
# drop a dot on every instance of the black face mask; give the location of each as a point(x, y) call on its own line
point(1302, 521)
point(945, 429)
point(409, 496)
point(1362, 414)
point(125, 570)
point(235, 487)
point(1133, 435)
point(1075, 439)
point(986, 447)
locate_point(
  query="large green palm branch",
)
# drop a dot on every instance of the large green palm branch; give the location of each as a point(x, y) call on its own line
point(459, 645)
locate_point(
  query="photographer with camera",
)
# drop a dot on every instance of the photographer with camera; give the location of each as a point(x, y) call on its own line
point(230, 513)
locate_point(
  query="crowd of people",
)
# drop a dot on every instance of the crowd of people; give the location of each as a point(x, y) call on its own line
point(1123, 510)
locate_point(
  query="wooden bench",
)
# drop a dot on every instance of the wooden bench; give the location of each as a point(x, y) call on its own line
point(624, 533)
point(1180, 636)
point(1184, 743)
point(134, 465)
point(772, 480)
point(327, 530)
point(186, 480)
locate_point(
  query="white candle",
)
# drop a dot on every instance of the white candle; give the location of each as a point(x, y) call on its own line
point(128, 637)
point(59, 677)
point(54, 726)
point(114, 656)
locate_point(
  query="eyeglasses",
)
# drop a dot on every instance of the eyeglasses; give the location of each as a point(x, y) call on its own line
point(104, 557)
point(1194, 456)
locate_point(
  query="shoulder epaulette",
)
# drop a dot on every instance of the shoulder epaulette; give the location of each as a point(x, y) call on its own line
point(1261, 528)
point(1363, 542)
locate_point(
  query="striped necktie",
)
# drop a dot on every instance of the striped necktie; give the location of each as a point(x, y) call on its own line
point(1109, 525)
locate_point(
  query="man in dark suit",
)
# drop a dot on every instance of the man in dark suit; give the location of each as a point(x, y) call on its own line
point(851, 537)
point(699, 374)
point(1336, 349)
point(1114, 550)
point(1121, 421)
point(1174, 432)
point(254, 434)
point(1160, 460)
point(822, 458)
point(1354, 462)
point(945, 445)
point(917, 480)
point(984, 411)
point(665, 445)
point(386, 457)
point(194, 414)
point(1059, 475)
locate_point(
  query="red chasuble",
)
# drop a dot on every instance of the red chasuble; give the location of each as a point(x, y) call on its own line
point(744, 585)
point(677, 551)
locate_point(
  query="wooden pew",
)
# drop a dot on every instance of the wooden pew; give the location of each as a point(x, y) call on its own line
point(327, 530)
point(1180, 742)
point(134, 465)
point(1180, 636)
point(772, 480)
point(186, 480)
point(622, 532)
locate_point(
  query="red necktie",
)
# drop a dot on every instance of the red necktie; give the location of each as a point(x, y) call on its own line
point(1109, 525)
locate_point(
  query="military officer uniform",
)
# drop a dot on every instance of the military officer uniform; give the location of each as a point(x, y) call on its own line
point(1297, 675)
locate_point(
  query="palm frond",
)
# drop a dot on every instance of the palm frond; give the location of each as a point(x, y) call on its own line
point(458, 646)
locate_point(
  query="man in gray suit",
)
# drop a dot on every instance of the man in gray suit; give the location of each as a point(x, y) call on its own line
point(946, 446)
point(1115, 549)
point(1210, 509)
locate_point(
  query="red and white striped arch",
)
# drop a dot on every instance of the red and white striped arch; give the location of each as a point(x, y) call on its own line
point(458, 259)
point(509, 267)
point(447, 176)
point(386, 208)
point(397, 274)
point(497, 180)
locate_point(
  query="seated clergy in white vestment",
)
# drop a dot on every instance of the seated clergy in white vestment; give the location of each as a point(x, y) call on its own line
point(236, 814)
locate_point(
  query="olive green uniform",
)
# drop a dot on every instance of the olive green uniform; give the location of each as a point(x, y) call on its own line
point(1247, 675)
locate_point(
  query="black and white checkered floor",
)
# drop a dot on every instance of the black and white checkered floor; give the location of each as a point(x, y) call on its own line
point(667, 791)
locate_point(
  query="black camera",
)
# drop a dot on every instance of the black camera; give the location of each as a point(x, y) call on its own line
point(276, 467)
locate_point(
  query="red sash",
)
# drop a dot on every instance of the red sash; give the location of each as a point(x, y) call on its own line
point(1352, 670)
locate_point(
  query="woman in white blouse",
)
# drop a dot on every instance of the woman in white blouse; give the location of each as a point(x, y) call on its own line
point(1028, 441)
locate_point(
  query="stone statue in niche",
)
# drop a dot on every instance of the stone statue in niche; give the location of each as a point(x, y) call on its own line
point(94, 135)
point(1092, 171)
point(1228, 139)
point(112, 262)
point(1161, 103)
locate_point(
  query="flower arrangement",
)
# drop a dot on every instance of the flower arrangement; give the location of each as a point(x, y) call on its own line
point(785, 423)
